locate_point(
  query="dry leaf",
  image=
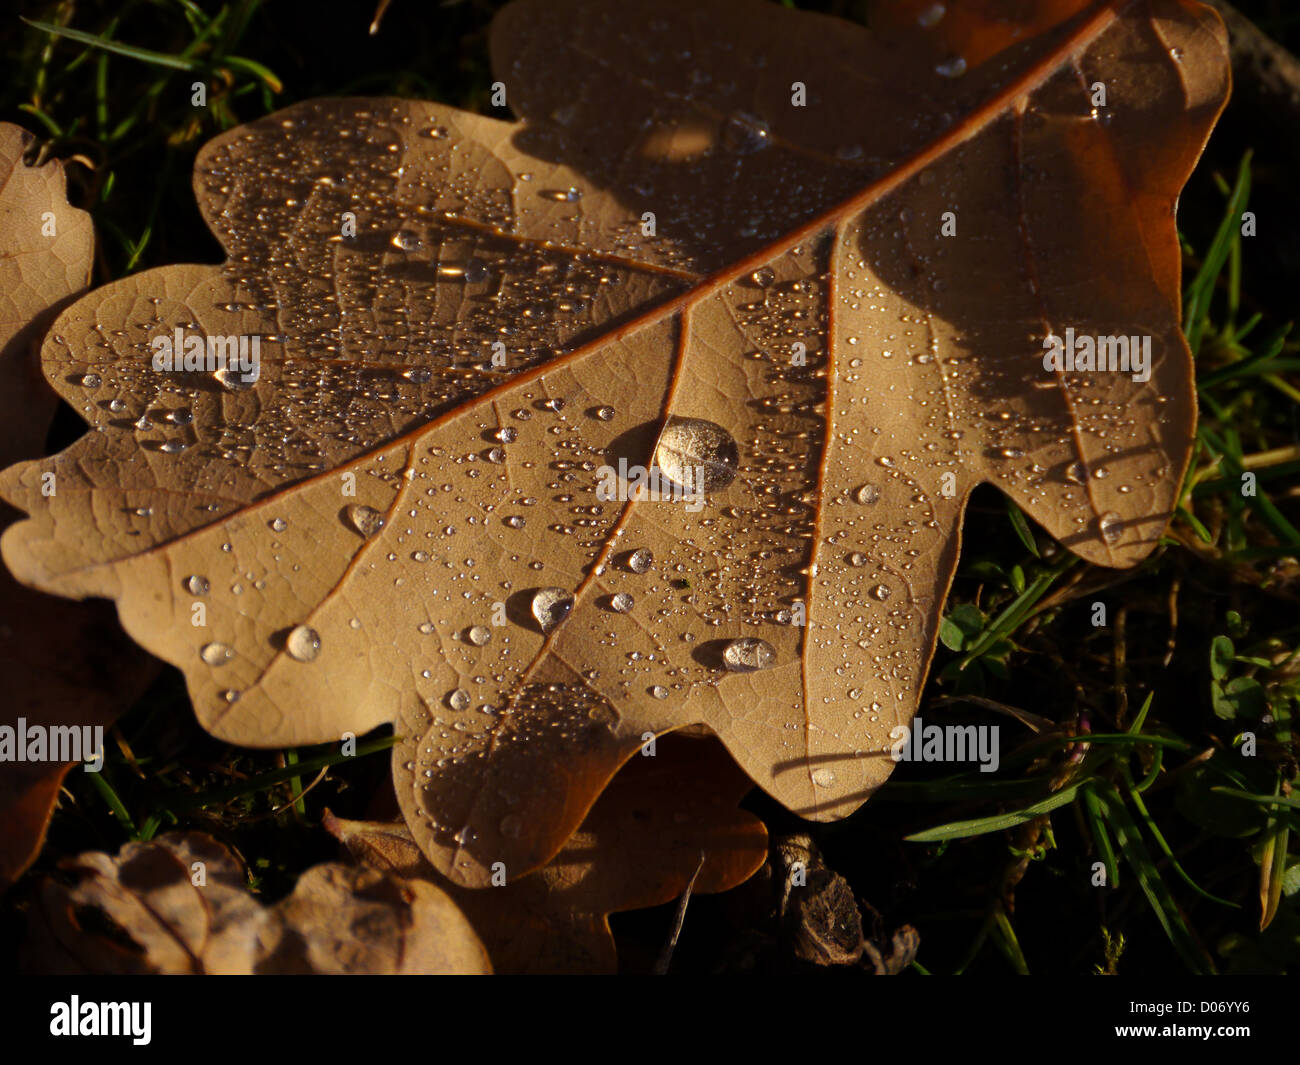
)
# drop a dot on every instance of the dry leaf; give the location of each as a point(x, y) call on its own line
point(64, 664)
point(798, 327)
point(180, 904)
point(639, 846)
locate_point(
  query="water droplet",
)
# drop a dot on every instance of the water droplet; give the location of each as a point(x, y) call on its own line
point(173, 447)
point(507, 434)
point(365, 520)
point(406, 240)
point(90, 380)
point(748, 654)
point(605, 414)
point(1076, 473)
point(1109, 526)
point(823, 778)
point(881, 592)
point(551, 606)
point(640, 560)
point(763, 277)
point(692, 450)
point(622, 602)
point(278, 524)
point(458, 699)
point(569, 195)
point(303, 643)
point(744, 133)
point(867, 494)
point(659, 691)
point(951, 68)
point(196, 585)
point(216, 654)
point(857, 559)
point(232, 380)
point(478, 635)
point(930, 15)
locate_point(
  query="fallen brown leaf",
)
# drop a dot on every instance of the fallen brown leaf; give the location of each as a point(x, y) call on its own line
point(180, 904)
point(65, 664)
point(638, 846)
point(463, 320)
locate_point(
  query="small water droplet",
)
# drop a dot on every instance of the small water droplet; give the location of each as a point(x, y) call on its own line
point(951, 68)
point(881, 592)
point(278, 524)
point(744, 133)
point(196, 585)
point(216, 654)
point(930, 15)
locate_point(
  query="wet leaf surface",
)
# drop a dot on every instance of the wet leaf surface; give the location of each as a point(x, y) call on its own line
point(835, 332)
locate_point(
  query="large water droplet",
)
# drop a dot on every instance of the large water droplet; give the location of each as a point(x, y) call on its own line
point(640, 560)
point(365, 520)
point(551, 606)
point(693, 449)
point(867, 494)
point(748, 654)
point(622, 602)
point(1109, 526)
point(478, 635)
point(458, 699)
point(303, 643)
point(196, 585)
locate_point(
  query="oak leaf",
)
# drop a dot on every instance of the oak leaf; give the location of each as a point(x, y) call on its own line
point(823, 314)
point(661, 820)
point(66, 665)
